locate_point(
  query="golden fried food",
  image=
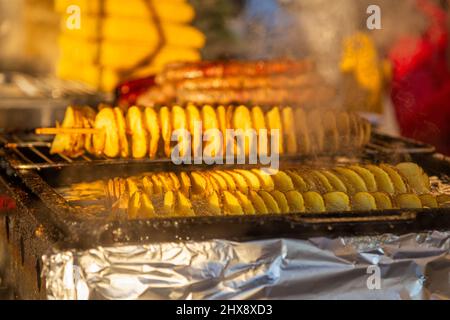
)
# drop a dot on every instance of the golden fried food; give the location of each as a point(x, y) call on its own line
point(265, 179)
point(106, 142)
point(251, 179)
point(313, 202)
point(363, 201)
point(416, 177)
point(184, 205)
point(245, 202)
point(397, 180)
point(288, 124)
point(367, 176)
point(282, 181)
point(269, 201)
point(258, 203)
point(281, 200)
point(139, 135)
point(166, 129)
point(242, 123)
point(231, 205)
point(274, 124)
point(214, 205)
point(336, 201)
point(384, 182)
point(353, 182)
point(428, 201)
point(152, 126)
point(382, 200)
point(408, 201)
point(122, 131)
point(295, 201)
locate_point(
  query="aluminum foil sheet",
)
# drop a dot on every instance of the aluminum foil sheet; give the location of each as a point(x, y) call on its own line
point(412, 266)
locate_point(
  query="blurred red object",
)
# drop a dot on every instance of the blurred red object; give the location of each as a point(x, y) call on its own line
point(6, 203)
point(128, 92)
point(421, 81)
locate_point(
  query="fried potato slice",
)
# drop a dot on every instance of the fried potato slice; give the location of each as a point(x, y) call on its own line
point(195, 128)
point(243, 121)
point(265, 179)
point(245, 202)
point(169, 203)
point(384, 182)
point(273, 122)
point(166, 129)
point(146, 209)
point(166, 181)
point(152, 126)
point(250, 178)
point(382, 200)
point(184, 205)
point(221, 182)
point(175, 182)
point(231, 205)
point(139, 135)
point(89, 122)
point(239, 180)
point(302, 133)
point(270, 202)
point(428, 201)
point(180, 125)
point(212, 183)
point(148, 185)
point(417, 179)
point(258, 203)
point(281, 200)
point(334, 180)
point(211, 127)
point(185, 183)
point(131, 186)
point(199, 183)
point(323, 181)
point(122, 132)
point(107, 141)
point(231, 185)
point(157, 184)
point(295, 201)
point(134, 205)
point(214, 206)
point(397, 180)
point(282, 181)
point(443, 200)
point(313, 202)
point(353, 181)
point(336, 201)
point(298, 182)
point(288, 124)
point(310, 182)
point(62, 142)
point(259, 124)
point(363, 201)
point(408, 201)
point(367, 176)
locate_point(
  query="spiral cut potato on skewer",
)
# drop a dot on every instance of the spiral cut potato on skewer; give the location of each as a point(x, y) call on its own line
point(148, 132)
point(249, 192)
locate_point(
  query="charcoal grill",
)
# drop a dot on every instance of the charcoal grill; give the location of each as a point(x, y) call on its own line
point(41, 218)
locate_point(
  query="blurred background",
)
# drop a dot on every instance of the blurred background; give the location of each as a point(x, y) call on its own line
point(56, 52)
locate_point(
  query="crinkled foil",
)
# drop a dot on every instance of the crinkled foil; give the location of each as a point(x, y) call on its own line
point(413, 266)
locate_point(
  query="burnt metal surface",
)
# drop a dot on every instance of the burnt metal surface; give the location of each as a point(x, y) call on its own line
point(80, 230)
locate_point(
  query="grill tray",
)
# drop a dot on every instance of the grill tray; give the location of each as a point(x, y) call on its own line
point(31, 175)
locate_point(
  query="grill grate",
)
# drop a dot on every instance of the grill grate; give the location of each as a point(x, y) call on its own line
point(32, 152)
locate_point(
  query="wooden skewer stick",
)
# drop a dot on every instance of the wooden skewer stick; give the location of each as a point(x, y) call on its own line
point(53, 131)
